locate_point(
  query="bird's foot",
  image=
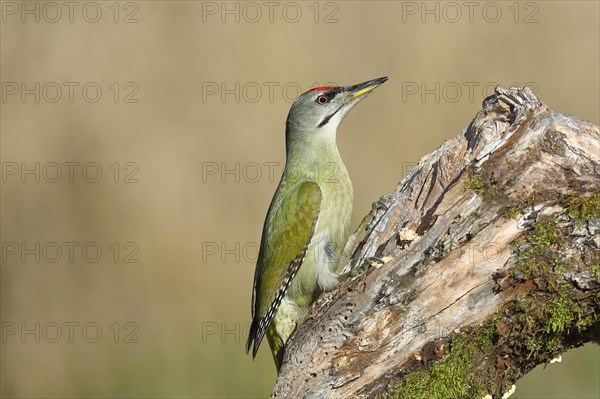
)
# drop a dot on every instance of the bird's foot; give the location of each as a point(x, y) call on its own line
point(368, 223)
point(367, 263)
point(371, 220)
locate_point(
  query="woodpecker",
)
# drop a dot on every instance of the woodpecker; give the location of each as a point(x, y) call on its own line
point(308, 222)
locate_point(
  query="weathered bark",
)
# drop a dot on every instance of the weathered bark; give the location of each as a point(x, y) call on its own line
point(489, 255)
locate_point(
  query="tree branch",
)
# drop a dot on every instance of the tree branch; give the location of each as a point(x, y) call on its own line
point(491, 264)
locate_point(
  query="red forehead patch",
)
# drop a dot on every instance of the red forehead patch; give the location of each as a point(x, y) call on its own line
point(324, 88)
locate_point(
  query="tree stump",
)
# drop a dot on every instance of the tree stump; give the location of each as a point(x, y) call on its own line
point(488, 264)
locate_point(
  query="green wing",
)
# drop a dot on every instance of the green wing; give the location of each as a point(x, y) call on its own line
point(288, 229)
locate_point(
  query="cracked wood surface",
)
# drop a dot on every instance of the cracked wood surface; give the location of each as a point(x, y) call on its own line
point(364, 335)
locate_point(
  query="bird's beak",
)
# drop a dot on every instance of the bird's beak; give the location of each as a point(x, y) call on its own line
point(359, 90)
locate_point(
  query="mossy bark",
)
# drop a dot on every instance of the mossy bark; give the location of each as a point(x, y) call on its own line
point(491, 266)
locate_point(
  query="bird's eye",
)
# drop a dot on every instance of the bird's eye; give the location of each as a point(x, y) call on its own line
point(322, 100)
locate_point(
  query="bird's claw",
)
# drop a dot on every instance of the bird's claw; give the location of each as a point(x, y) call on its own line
point(384, 203)
point(371, 261)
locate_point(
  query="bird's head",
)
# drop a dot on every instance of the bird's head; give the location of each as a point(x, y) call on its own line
point(322, 109)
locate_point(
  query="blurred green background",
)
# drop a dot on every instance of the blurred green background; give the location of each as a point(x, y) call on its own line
point(188, 135)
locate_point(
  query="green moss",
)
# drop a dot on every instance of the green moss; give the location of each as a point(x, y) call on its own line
point(540, 326)
point(537, 250)
point(530, 200)
point(511, 213)
point(544, 234)
point(531, 329)
point(560, 315)
point(538, 256)
point(488, 333)
point(582, 208)
point(451, 377)
point(516, 209)
point(535, 326)
point(545, 326)
point(475, 183)
point(595, 268)
point(483, 188)
point(562, 268)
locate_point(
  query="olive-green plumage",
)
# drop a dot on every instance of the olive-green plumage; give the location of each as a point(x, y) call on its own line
point(308, 222)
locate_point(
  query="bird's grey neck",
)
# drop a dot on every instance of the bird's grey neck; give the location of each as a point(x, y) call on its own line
point(310, 147)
